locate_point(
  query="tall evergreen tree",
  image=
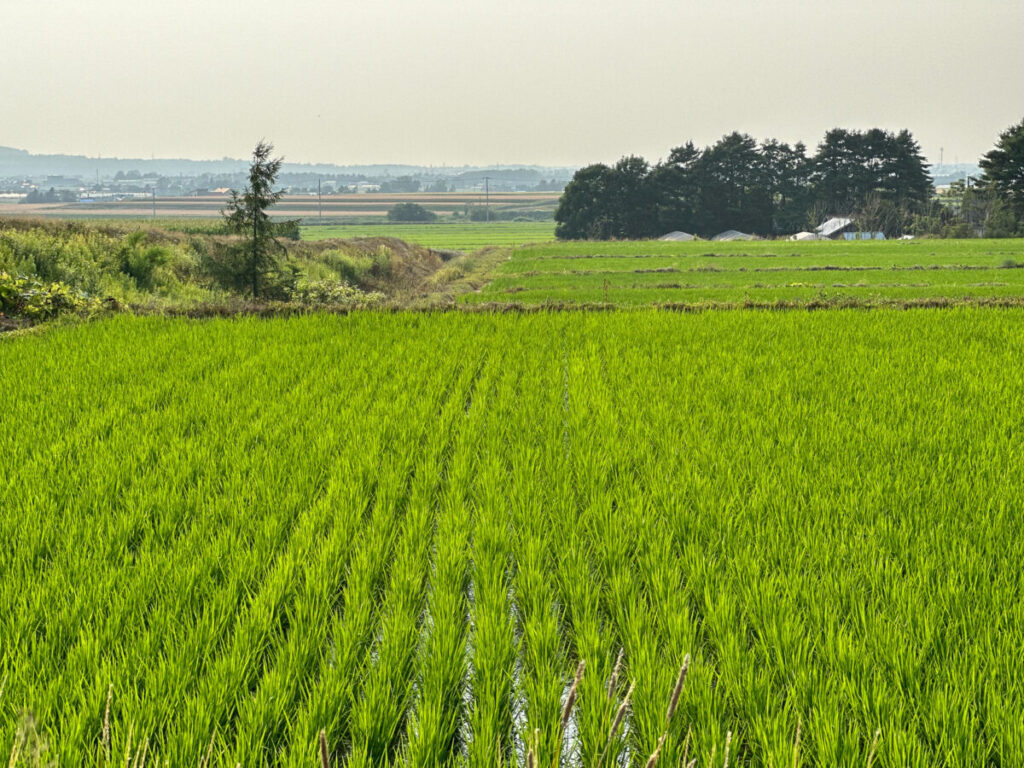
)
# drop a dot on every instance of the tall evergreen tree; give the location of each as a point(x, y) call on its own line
point(1003, 169)
point(788, 177)
point(733, 187)
point(246, 215)
point(634, 213)
point(676, 188)
point(583, 209)
point(841, 179)
point(908, 183)
point(855, 171)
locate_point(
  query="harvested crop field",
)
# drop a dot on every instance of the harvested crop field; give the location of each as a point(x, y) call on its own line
point(342, 206)
point(408, 530)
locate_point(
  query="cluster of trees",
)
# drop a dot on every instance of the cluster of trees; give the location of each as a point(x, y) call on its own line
point(878, 177)
point(410, 212)
point(1002, 180)
point(766, 188)
point(50, 196)
point(989, 206)
point(403, 184)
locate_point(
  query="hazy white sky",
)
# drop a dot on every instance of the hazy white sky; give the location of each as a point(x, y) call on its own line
point(524, 81)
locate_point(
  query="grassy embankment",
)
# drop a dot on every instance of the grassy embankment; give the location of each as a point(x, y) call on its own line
point(174, 268)
point(456, 236)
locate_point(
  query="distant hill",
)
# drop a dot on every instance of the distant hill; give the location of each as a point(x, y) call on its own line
point(18, 162)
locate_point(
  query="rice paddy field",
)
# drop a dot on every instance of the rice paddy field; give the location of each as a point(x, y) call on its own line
point(639, 273)
point(220, 539)
point(456, 236)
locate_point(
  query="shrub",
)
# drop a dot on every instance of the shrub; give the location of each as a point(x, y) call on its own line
point(335, 293)
point(139, 261)
point(35, 300)
point(410, 212)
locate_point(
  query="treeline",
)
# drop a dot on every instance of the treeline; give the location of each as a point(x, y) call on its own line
point(50, 196)
point(880, 178)
point(767, 188)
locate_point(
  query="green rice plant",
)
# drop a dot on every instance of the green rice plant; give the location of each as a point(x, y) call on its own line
point(407, 531)
point(493, 635)
point(379, 714)
point(434, 734)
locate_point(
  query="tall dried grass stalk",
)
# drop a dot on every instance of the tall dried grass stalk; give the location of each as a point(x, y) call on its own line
point(728, 741)
point(674, 701)
point(128, 746)
point(205, 762)
point(620, 715)
point(653, 759)
point(531, 756)
point(105, 736)
point(874, 746)
point(796, 745)
point(613, 681)
point(140, 756)
point(325, 758)
point(570, 700)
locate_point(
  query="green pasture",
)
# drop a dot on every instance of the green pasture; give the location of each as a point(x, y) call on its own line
point(657, 272)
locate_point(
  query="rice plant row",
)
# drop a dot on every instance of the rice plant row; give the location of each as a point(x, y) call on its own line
point(481, 540)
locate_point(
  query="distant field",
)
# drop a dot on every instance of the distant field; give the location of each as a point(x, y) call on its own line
point(292, 206)
point(638, 273)
point(461, 236)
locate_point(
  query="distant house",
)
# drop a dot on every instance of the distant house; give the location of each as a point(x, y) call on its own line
point(678, 237)
point(835, 228)
point(731, 235)
point(843, 228)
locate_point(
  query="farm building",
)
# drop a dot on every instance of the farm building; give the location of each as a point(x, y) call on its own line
point(835, 228)
point(678, 237)
point(844, 228)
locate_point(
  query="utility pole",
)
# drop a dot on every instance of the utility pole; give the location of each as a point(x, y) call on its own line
point(487, 197)
point(319, 202)
point(154, 201)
